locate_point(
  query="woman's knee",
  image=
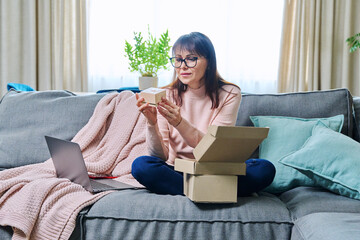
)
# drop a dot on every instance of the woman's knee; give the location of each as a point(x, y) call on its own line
point(261, 167)
point(144, 165)
point(139, 165)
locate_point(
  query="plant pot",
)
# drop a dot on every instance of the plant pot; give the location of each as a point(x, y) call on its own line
point(147, 82)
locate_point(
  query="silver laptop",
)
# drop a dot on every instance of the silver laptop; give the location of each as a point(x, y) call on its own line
point(69, 163)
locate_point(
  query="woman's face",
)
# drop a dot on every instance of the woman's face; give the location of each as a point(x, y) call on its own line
point(193, 77)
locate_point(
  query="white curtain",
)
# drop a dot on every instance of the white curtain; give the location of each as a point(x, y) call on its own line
point(43, 44)
point(314, 54)
point(246, 35)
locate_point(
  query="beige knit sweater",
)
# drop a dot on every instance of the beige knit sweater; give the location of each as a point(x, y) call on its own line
point(37, 205)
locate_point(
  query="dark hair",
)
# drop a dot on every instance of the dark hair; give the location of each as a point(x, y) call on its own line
point(201, 45)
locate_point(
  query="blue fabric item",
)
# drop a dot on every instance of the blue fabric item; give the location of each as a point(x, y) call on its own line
point(133, 89)
point(331, 159)
point(159, 177)
point(259, 174)
point(19, 87)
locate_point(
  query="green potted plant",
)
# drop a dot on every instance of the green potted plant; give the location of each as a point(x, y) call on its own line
point(354, 42)
point(147, 57)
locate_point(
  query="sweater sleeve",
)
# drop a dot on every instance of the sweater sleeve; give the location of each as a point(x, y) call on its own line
point(224, 115)
point(158, 141)
point(190, 133)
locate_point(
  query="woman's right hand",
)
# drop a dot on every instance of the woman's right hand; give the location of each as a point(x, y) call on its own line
point(148, 111)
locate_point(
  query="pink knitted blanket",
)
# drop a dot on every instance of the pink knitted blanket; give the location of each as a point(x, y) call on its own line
point(40, 206)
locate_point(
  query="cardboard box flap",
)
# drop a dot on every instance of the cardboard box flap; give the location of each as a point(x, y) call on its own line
point(229, 144)
point(215, 168)
point(238, 131)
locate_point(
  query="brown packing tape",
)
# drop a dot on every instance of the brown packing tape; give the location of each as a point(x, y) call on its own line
point(216, 168)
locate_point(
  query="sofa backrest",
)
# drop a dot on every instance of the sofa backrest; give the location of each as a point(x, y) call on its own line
point(25, 117)
point(356, 103)
point(315, 104)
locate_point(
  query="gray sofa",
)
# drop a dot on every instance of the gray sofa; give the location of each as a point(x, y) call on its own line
point(302, 212)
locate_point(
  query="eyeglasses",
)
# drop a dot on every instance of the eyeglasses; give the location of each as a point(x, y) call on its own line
point(190, 62)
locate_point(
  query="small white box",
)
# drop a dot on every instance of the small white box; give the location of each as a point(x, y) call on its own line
point(153, 95)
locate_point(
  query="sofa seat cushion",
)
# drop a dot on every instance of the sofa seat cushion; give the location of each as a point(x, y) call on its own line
point(302, 201)
point(27, 116)
point(139, 214)
point(329, 226)
point(6, 233)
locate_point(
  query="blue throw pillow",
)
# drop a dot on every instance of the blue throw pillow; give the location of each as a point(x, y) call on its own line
point(331, 159)
point(286, 135)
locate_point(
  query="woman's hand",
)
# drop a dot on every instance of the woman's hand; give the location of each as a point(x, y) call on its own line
point(148, 111)
point(170, 112)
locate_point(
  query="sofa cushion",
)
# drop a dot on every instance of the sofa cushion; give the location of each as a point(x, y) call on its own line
point(302, 201)
point(6, 233)
point(329, 226)
point(329, 158)
point(356, 101)
point(316, 104)
point(138, 214)
point(27, 116)
point(286, 135)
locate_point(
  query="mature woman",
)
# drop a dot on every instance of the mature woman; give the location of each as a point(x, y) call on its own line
point(197, 98)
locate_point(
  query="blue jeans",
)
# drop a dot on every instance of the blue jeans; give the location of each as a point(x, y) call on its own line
point(159, 177)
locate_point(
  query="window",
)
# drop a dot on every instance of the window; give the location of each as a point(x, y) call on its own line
point(246, 36)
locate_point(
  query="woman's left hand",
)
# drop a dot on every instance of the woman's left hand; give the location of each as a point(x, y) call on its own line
point(170, 112)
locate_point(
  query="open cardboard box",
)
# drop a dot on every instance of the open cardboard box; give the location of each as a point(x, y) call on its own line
point(229, 143)
point(219, 157)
